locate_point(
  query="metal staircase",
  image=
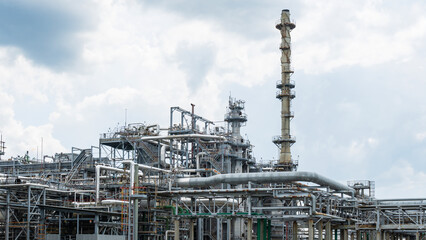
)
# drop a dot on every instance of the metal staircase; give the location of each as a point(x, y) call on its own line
point(146, 149)
point(84, 155)
point(210, 157)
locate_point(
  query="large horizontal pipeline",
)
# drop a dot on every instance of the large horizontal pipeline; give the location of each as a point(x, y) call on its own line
point(263, 177)
point(205, 136)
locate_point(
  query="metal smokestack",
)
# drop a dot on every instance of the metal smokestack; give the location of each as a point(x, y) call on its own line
point(285, 94)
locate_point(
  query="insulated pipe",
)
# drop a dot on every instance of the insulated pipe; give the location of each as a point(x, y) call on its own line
point(199, 170)
point(182, 136)
point(197, 159)
point(114, 202)
point(168, 232)
point(163, 154)
point(146, 167)
point(79, 204)
point(267, 177)
point(6, 180)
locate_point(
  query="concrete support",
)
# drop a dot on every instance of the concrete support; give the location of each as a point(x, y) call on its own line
point(378, 235)
point(345, 234)
point(320, 228)
point(352, 236)
point(417, 236)
point(294, 231)
point(177, 229)
point(328, 234)
point(249, 228)
point(310, 229)
point(191, 230)
point(358, 235)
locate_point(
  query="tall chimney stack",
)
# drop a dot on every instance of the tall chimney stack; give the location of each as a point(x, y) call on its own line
point(285, 94)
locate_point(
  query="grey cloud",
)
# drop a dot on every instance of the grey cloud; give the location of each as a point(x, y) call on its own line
point(46, 32)
point(351, 105)
point(196, 61)
point(251, 18)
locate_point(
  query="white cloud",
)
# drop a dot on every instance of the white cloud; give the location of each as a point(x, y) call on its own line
point(133, 59)
point(20, 139)
point(420, 136)
point(130, 61)
point(403, 179)
point(336, 34)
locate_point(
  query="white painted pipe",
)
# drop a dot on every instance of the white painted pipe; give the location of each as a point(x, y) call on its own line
point(168, 232)
point(79, 204)
point(205, 136)
point(114, 202)
point(197, 159)
point(163, 154)
point(199, 170)
point(146, 167)
point(263, 177)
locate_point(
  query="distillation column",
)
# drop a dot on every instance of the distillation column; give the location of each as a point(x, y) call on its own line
point(236, 118)
point(285, 94)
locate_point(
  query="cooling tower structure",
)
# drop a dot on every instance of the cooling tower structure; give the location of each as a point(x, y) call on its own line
point(285, 94)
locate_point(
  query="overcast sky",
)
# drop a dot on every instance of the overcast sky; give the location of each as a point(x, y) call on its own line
point(68, 70)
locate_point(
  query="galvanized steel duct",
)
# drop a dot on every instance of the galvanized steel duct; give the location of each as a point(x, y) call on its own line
point(264, 177)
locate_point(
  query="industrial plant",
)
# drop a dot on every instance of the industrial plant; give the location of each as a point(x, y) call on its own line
point(194, 179)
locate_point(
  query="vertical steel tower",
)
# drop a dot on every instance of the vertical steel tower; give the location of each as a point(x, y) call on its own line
point(285, 94)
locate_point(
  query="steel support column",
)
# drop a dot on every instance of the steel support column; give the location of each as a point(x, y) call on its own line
point(310, 229)
point(295, 229)
point(7, 213)
point(328, 234)
point(28, 212)
point(320, 227)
